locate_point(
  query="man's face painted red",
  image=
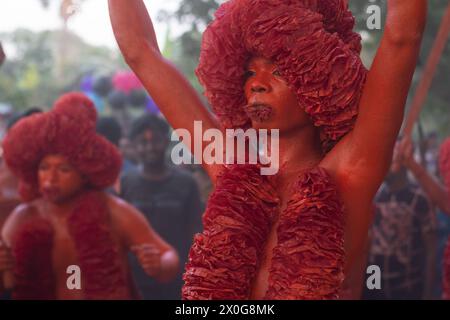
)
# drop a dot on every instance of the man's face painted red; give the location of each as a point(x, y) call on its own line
point(58, 179)
point(271, 104)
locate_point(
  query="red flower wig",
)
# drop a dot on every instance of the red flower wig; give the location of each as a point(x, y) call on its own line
point(313, 46)
point(68, 130)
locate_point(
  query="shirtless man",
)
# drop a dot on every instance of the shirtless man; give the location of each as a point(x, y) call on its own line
point(255, 75)
point(437, 192)
point(67, 219)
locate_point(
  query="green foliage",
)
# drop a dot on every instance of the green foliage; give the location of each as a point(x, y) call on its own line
point(37, 73)
point(43, 65)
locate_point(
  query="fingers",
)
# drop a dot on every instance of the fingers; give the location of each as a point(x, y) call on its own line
point(144, 247)
point(149, 257)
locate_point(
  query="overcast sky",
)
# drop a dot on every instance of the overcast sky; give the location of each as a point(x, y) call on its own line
point(91, 23)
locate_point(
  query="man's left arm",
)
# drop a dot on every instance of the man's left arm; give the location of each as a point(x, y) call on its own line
point(436, 192)
point(158, 258)
point(367, 150)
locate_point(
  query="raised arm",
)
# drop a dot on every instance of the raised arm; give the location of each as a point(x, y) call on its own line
point(436, 191)
point(156, 256)
point(368, 148)
point(176, 98)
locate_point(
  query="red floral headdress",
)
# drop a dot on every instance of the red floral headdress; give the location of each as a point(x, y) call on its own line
point(69, 130)
point(313, 46)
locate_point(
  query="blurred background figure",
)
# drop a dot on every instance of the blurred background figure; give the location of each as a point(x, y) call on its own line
point(110, 128)
point(168, 197)
point(436, 190)
point(2, 55)
point(129, 151)
point(403, 237)
point(9, 196)
point(430, 150)
point(9, 184)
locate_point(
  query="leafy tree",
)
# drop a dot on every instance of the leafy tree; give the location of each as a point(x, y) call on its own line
point(36, 73)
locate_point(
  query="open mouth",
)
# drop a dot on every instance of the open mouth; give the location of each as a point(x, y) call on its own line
point(259, 112)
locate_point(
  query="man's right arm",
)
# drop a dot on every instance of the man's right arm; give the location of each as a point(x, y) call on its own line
point(435, 191)
point(7, 234)
point(158, 258)
point(171, 91)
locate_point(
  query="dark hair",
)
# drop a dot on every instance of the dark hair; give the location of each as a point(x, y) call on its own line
point(149, 121)
point(14, 119)
point(110, 128)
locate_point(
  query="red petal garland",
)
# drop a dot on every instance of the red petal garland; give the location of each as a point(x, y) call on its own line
point(224, 258)
point(90, 226)
point(33, 272)
point(102, 274)
point(308, 259)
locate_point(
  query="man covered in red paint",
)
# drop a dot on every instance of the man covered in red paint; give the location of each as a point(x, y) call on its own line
point(66, 218)
point(291, 65)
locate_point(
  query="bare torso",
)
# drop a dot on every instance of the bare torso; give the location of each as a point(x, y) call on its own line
point(353, 251)
point(261, 281)
point(64, 252)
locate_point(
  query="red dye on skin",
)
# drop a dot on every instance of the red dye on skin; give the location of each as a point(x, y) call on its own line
point(259, 112)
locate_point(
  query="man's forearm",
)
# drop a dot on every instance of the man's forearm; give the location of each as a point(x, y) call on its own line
point(435, 191)
point(132, 26)
point(406, 20)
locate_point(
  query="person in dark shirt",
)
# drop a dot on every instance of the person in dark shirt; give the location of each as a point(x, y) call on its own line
point(110, 128)
point(403, 238)
point(168, 197)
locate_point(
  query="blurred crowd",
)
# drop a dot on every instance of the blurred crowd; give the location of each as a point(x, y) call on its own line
point(406, 241)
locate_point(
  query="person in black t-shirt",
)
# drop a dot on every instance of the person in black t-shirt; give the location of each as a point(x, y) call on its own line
point(168, 197)
point(403, 238)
